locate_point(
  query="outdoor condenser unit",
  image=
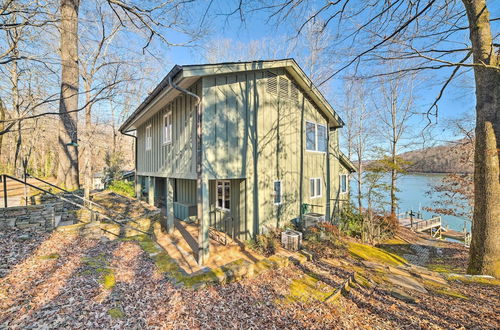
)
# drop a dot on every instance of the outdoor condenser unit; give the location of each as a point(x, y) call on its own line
point(291, 239)
point(311, 219)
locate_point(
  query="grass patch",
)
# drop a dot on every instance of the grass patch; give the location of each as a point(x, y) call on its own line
point(116, 313)
point(307, 288)
point(473, 279)
point(442, 268)
point(450, 293)
point(99, 265)
point(50, 256)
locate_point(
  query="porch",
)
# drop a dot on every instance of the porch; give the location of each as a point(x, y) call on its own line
point(182, 245)
point(224, 218)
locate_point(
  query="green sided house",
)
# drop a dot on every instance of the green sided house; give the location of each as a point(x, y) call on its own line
point(242, 147)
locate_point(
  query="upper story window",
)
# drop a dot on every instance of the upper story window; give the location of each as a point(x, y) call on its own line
point(315, 187)
point(149, 138)
point(167, 128)
point(343, 183)
point(277, 192)
point(316, 138)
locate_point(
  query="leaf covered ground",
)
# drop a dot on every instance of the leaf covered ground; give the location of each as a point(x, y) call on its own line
point(61, 280)
point(66, 280)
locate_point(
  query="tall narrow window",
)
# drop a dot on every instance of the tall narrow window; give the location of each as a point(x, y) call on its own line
point(277, 192)
point(224, 195)
point(310, 136)
point(316, 137)
point(321, 137)
point(167, 128)
point(315, 187)
point(343, 183)
point(149, 138)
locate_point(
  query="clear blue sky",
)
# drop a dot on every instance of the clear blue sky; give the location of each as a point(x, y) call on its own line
point(458, 99)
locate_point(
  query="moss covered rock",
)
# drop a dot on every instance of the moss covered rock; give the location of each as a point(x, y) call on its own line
point(373, 254)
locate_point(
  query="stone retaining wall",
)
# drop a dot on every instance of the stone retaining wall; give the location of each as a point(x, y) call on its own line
point(67, 210)
point(40, 217)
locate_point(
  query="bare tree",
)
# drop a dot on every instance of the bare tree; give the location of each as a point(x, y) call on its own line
point(425, 29)
point(68, 173)
point(394, 113)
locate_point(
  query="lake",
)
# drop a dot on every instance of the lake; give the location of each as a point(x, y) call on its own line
point(413, 196)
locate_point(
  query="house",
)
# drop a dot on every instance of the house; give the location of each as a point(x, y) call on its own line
point(242, 146)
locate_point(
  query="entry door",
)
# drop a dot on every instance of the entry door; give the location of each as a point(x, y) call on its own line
point(224, 208)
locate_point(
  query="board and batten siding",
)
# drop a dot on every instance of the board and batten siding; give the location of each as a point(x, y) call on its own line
point(175, 159)
point(252, 131)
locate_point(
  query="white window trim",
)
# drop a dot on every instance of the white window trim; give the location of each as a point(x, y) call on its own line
point(281, 192)
point(149, 138)
point(315, 188)
point(346, 183)
point(315, 137)
point(167, 139)
point(217, 197)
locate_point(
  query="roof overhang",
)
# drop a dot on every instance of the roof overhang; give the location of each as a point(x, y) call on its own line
point(185, 75)
point(346, 162)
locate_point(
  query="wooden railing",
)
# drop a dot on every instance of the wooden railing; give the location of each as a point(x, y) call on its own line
point(426, 224)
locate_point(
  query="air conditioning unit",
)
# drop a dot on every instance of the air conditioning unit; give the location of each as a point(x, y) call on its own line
point(291, 240)
point(312, 219)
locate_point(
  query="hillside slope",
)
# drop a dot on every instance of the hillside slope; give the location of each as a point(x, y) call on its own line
point(454, 157)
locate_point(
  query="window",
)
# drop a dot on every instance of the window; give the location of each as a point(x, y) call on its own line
point(316, 137)
point(224, 195)
point(315, 187)
point(343, 183)
point(149, 138)
point(167, 128)
point(310, 136)
point(321, 136)
point(277, 192)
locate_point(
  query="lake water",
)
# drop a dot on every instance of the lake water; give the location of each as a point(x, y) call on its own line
point(413, 196)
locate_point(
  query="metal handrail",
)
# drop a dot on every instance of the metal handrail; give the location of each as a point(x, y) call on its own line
point(226, 218)
point(5, 176)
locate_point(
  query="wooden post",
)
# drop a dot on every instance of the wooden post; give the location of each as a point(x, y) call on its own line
point(25, 164)
point(151, 191)
point(169, 197)
point(138, 187)
point(4, 191)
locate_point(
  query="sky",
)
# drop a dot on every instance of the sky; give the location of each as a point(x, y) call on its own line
point(457, 100)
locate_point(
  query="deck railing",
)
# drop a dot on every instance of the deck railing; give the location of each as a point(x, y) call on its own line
point(426, 224)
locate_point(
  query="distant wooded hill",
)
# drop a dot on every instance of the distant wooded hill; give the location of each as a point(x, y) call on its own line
point(455, 157)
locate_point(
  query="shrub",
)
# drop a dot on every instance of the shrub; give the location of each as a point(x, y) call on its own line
point(351, 222)
point(123, 187)
point(264, 244)
point(323, 240)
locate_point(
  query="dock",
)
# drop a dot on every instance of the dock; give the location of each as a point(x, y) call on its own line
point(433, 226)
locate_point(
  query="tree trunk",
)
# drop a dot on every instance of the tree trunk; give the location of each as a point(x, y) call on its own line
point(14, 76)
point(360, 184)
point(484, 254)
point(87, 159)
point(67, 174)
point(394, 145)
point(2, 124)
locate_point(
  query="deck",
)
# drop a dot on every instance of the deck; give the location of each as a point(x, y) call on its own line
point(433, 226)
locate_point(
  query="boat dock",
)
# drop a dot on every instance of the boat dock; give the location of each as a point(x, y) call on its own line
point(433, 226)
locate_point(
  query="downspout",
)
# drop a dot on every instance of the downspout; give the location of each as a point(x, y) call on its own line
point(202, 254)
point(328, 176)
point(135, 162)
